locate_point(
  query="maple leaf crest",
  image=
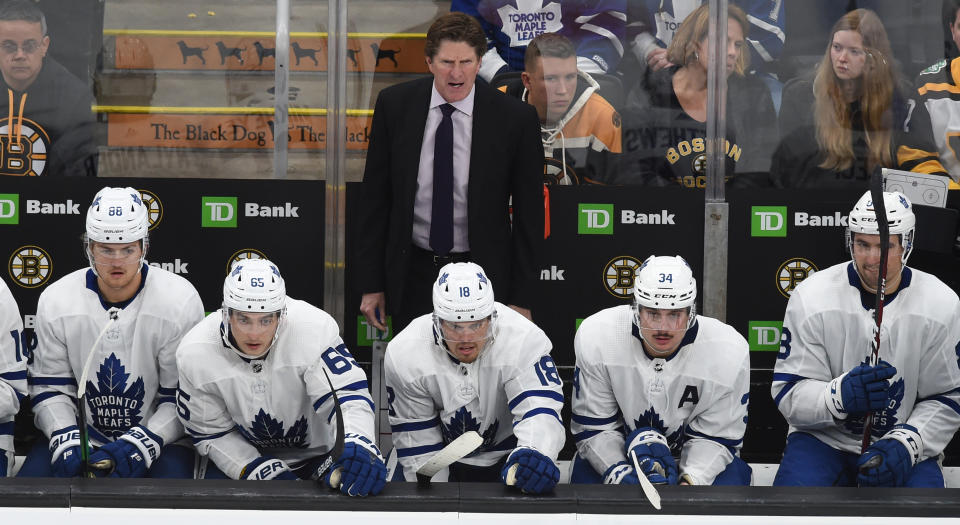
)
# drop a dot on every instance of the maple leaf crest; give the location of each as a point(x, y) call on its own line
point(529, 19)
point(463, 421)
point(650, 418)
point(265, 431)
point(112, 407)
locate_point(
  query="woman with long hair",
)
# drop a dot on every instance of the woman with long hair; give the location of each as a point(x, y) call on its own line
point(863, 114)
point(664, 121)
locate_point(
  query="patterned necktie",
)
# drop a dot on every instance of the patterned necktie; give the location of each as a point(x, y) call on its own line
point(441, 218)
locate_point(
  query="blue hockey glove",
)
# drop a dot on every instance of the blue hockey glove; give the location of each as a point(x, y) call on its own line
point(653, 455)
point(360, 468)
point(888, 462)
point(621, 474)
point(265, 468)
point(65, 453)
point(129, 456)
point(535, 472)
point(863, 389)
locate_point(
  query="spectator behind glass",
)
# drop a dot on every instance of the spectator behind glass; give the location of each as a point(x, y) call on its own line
point(46, 125)
point(594, 26)
point(862, 117)
point(664, 122)
point(937, 86)
point(579, 128)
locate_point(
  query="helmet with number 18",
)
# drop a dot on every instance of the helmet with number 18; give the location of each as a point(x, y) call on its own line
point(464, 314)
point(254, 306)
point(664, 303)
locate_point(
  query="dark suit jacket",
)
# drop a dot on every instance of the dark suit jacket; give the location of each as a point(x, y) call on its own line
point(506, 158)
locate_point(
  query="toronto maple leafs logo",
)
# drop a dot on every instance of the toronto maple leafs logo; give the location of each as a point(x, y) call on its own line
point(267, 432)
point(529, 19)
point(883, 420)
point(652, 419)
point(113, 406)
point(463, 421)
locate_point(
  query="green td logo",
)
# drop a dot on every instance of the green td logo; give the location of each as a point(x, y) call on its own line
point(367, 334)
point(764, 336)
point(768, 221)
point(595, 219)
point(218, 212)
point(9, 208)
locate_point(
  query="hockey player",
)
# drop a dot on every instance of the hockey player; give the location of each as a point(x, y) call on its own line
point(579, 128)
point(656, 380)
point(823, 382)
point(596, 27)
point(13, 374)
point(132, 380)
point(254, 391)
point(475, 364)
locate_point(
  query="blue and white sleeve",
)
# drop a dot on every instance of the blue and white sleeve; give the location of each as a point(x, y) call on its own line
point(596, 422)
point(598, 30)
point(50, 382)
point(13, 365)
point(766, 34)
point(413, 416)
point(535, 397)
point(353, 391)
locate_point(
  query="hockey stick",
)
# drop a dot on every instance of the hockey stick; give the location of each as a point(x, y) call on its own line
point(453, 452)
point(337, 450)
point(880, 210)
point(82, 394)
point(648, 489)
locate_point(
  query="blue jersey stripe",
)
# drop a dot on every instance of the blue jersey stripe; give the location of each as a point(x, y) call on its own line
point(415, 425)
point(347, 399)
point(53, 381)
point(197, 437)
point(550, 394)
point(416, 451)
point(729, 443)
point(586, 420)
point(6, 429)
point(14, 376)
point(167, 391)
point(39, 398)
point(586, 434)
point(789, 378)
point(538, 411)
point(943, 399)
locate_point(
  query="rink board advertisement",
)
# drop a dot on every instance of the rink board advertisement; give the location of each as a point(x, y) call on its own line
point(197, 228)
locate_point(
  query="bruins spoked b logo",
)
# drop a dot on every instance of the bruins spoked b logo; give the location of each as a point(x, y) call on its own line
point(30, 266)
point(23, 153)
point(154, 207)
point(792, 272)
point(244, 254)
point(618, 275)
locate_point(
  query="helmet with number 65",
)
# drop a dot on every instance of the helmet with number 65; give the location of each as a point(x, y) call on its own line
point(254, 302)
point(464, 313)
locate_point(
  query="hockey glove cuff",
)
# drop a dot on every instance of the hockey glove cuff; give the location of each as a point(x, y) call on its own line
point(888, 462)
point(535, 474)
point(860, 390)
point(653, 455)
point(266, 468)
point(620, 474)
point(129, 456)
point(65, 452)
point(360, 469)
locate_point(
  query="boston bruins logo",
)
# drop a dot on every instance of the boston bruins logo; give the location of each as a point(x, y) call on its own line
point(792, 272)
point(244, 254)
point(30, 266)
point(154, 207)
point(23, 153)
point(618, 275)
point(553, 173)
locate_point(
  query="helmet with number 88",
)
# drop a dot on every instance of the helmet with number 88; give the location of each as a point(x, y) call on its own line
point(463, 306)
point(116, 216)
point(664, 283)
point(900, 218)
point(254, 286)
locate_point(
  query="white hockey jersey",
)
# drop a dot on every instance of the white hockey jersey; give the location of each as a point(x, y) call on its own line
point(511, 395)
point(828, 329)
point(238, 409)
point(13, 366)
point(697, 398)
point(133, 377)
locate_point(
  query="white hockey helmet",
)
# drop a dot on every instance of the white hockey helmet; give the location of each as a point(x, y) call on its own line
point(116, 216)
point(665, 283)
point(463, 293)
point(253, 286)
point(900, 218)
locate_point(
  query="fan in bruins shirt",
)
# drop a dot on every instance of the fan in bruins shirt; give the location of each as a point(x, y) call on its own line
point(664, 122)
point(46, 126)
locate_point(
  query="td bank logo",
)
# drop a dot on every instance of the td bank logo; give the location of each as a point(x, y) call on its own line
point(9, 207)
point(218, 212)
point(595, 219)
point(768, 221)
point(367, 334)
point(764, 336)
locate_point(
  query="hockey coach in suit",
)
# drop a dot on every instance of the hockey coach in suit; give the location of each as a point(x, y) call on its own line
point(430, 199)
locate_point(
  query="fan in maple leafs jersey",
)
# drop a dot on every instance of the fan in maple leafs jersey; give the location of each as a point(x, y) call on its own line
point(13, 373)
point(823, 381)
point(130, 388)
point(474, 364)
point(254, 394)
point(656, 380)
point(596, 27)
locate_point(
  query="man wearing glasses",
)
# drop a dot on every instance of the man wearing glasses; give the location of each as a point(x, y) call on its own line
point(131, 317)
point(46, 125)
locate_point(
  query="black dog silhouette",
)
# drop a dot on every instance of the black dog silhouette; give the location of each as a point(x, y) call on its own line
point(230, 52)
point(263, 52)
point(301, 52)
point(385, 53)
point(186, 51)
point(352, 55)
